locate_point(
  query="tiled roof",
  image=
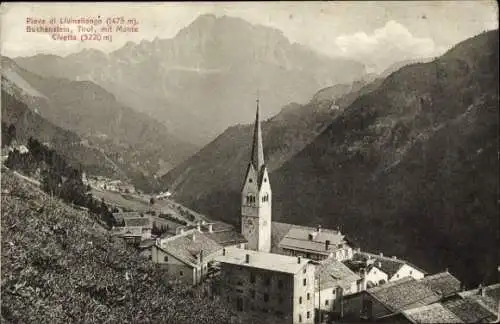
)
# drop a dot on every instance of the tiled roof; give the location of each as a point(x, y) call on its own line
point(187, 249)
point(490, 296)
point(333, 273)
point(469, 310)
point(434, 313)
point(140, 221)
point(309, 239)
point(403, 294)
point(262, 260)
point(444, 283)
point(146, 244)
point(278, 232)
point(121, 216)
point(227, 238)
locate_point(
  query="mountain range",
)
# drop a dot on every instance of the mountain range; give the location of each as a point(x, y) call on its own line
point(126, 139)
point(406, 164)
point(207, 77)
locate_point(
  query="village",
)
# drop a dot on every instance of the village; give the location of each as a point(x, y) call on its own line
point(288, 273)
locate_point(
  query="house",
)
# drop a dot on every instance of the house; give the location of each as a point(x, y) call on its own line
point(469, 310)
point(186, 256)
point(333, 281)
point(443, 283)
point(387, 300)
point(377, 269)
point(267, 283)
point(119, 217)
point(133, 229)
point(315, 243)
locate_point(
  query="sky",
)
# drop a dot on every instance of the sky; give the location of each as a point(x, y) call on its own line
point(376, 33)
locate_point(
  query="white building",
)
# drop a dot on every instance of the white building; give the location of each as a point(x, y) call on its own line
point(269, 284)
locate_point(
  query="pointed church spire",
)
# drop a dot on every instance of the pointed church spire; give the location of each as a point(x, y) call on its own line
point(257, 148)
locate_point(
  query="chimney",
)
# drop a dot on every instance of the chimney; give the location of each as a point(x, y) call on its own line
point(298, 259)
point(194, 237)
point(379, 264)
point(381, 254)
point(210, 228)
point(327, 244)
point(358, 250)
point(181, 230)
point(394, 257)
point(318, 228)
point(481, 290)
point(224, 251)
point(198, 226)
point(247, 258)
point(203, 222)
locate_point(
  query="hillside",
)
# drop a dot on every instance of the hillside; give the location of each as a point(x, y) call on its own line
point(129, 139)
point(174, 80)
point(58, 266)
point(30, 124)
point(216, 192)
point(411, 169)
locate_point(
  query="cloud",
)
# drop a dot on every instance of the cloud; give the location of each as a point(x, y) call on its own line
point(385, 46)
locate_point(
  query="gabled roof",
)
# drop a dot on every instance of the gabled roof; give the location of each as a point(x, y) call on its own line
point(488, 296)
point(403, 294)
point(308, 239)
point(333, 273)
point(444, 283)
point(135, 222)
point(262, 260)
point(434, 313)
point(469, 310)
point(188, 246)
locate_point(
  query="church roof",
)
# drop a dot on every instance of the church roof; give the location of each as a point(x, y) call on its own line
point(257, 146)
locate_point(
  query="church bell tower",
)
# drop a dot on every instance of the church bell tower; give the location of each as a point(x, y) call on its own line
point(256, 197)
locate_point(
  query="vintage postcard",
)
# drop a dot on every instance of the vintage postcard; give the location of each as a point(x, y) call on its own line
point(250, 162)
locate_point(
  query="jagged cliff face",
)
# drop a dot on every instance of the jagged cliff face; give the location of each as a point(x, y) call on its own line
point(206, 78)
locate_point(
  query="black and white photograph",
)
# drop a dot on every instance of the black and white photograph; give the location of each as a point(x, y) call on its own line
point(250, 162)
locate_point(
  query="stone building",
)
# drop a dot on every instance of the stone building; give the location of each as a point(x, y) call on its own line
point(268, 284)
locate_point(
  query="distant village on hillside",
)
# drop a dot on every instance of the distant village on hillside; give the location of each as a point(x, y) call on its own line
point(287, 273)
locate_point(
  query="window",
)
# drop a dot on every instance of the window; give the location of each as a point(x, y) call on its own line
point(308, 296)
point(150, 257)
point(268, 281)
point(308, 314)
point(397, 276)
point(280, 283)
point(300, 318)
point(305, 282)
point(326, 302)
point(250, 180)
point(181, 273)
point(266, 297)
point(239, 304)
point(300, 300)
point(252, 278)
point(334, 291)
point(165, 258)
point(305, 270)
point(411, 272)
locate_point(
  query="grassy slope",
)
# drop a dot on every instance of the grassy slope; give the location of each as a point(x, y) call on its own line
point(58, 267)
